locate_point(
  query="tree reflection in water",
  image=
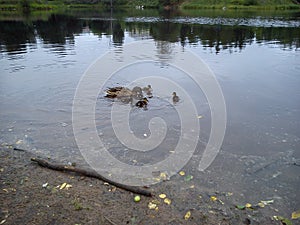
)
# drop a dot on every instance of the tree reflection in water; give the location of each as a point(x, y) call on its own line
point(61, 29)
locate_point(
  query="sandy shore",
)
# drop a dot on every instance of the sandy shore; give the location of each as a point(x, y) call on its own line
point(31, 194)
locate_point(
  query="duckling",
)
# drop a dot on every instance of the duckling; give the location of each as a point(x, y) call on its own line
point(137, 93)
point(142, 103)
point(175, 97)
point(148, 90)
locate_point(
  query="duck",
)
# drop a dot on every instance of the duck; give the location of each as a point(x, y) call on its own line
point(148, 90)
point(142, 103)
point(116, 92)
point(175, 97)
point(121, 93)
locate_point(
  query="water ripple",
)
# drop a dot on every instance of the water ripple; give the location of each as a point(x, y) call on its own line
point(253, 22)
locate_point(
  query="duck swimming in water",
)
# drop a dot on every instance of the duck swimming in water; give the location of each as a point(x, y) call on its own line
point(142, 103)
point(121, 93)
point(117, 92)
point(175, 97)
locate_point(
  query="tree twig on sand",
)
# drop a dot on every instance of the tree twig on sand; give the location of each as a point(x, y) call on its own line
point(111, 222)
point(19, 149)
point(90, 173)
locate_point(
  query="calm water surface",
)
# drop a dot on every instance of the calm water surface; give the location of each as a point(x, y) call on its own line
point(255, 57)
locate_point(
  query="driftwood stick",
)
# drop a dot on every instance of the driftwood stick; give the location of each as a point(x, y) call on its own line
point(111, 222)
point(19, 149)
point(90, 173)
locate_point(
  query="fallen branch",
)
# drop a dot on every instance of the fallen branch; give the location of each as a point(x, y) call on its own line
point(111, 222)
point(90, 173)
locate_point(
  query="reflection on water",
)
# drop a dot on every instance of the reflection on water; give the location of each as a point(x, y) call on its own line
point(221, 33)
point(257, 65)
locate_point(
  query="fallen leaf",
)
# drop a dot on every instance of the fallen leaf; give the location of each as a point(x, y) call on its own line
point(162, 196)
point(151, 205)
point(163, 176)
point(241, 207)
point(213, 198)
point(248, 205)
point(68, 186)
point(188, 178)
point(19, 142)
point(187, 215)
point(221, 201)
point(296, 214)
point(63, 186)
point(181, 173)
point(155, 201)
point(283, 220)
point(167, 201)
point(113, 189)
point(267, 202)
point(3, 221)
point(260, 204)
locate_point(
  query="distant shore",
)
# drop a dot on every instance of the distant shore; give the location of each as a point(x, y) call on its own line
point(154, 4)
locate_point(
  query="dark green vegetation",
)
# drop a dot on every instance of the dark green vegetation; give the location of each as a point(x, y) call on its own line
point(242, 4)
point(32, 5)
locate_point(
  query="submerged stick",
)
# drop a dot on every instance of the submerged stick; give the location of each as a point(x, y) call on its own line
point(90, 173)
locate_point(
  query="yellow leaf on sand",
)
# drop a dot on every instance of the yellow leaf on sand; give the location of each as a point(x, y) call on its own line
point(187, 215)
point(181, 173)
point(163, 176)
point(296, 214)
point(260, 204)
point(167, 201)
point(162, 196)
point(63, 186)
point(221, 201)
point(151, 205)
point(248, 205)
point(213, 198)
point(68, 186)
point(267, 202)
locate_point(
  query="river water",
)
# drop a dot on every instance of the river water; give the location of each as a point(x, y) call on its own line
point(254, 56)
